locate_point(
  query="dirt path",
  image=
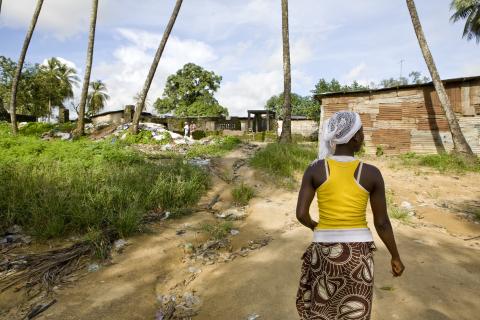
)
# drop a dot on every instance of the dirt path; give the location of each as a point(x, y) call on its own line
point(441, 280)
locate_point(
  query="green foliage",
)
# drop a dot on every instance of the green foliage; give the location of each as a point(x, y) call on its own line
point(379, 152)
point(394, 211)
point(97, 97)
point(323, 86)
point(217, 231)
point(468, 10)
point(55, 188)
point(361, 152)
point(220, 146)
point(282, 161)
point(198, 134)
point(443, 162)
point(40, 86)
point(242, 194)
point(301, 106)
point(190, 92)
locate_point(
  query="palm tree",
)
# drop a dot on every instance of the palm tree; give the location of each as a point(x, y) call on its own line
point(97, 97)
point(59, 79)
point(80, 130)
point(18, 71)
point(468, 10)
point(143, 95)
point(286, 135)
point(460, 145)
point(0, 6)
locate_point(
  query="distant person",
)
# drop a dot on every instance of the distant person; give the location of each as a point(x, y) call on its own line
point(337, 268)
point(193, 127)
point(186, 129)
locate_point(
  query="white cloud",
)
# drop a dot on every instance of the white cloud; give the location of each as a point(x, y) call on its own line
point(355, 72)
point(126, 73)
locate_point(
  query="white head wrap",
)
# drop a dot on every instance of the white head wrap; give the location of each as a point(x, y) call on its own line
point(339, 129)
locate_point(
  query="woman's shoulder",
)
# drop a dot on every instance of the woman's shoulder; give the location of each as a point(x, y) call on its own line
point(370, 169)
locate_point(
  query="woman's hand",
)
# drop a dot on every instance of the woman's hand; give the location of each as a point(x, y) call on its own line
point(397, 267)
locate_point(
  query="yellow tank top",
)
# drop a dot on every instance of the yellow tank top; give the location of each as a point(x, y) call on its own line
point(342, 201)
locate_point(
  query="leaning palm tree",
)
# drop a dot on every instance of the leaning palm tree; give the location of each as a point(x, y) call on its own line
point(18, 71)
point(460, 145)
point(80, 130)
point(286, 135)
point(146, 87)
point(468, 10)
point(97, 97)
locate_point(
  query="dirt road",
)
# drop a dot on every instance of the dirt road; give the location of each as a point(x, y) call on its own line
point(440, 282)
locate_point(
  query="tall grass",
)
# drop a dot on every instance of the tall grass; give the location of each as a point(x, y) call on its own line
point(219, 146)
point(444, 162)
point(242, 194)
point(55, 188)
point(282, 161)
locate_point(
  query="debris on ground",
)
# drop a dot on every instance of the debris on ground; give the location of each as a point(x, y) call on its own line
point(14, 235)
point(180, 232)
point(234, 232)
point(232, 214)
point(194, 270)
point(407, 206)
point(119, 245)
point(39, 308)
point(93, 267)
point(253, 316)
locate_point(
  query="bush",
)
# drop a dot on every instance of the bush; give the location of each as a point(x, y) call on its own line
point(242, 194)
point(198, 134)
point(217, 231)
point(56, 188)
point(281, 161)
point(379, 152)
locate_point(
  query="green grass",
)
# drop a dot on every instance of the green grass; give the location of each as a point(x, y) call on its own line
point(219, 146)
point(282, 161)
point(443, 162)
point(38, 128)
point(242, 194)
point(394, 211)
point(56, 188)
point(218, 230)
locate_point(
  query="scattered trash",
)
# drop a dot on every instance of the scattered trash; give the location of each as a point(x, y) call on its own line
point(188, 248)
point(233, 214)
point(63, 135)
point(408, 207)
point(234, 232)
point(14, 235)
point(190, 299)
point(166, 215)
point(253, 316)
point(194, 270)
point(199, 162)
point(179, 232)
point(119, 245)
point(93, 267)
point(387, 288)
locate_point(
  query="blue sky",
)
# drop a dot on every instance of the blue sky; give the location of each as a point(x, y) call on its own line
point(241, 40)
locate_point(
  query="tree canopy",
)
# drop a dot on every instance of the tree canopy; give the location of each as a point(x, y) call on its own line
point(323, 86)
point(301, 106)
point(40, 87)
point(97, 97)
point(468, 10)
point(190, 92)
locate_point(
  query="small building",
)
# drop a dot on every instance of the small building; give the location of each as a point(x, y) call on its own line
point(119, 116)
point(410, 117)
point(302, 126)
point(263, 120)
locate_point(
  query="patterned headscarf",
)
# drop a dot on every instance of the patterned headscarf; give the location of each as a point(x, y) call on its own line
point(339, 129)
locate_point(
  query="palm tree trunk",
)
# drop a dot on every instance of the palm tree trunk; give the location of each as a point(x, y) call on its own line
point(143, 95)
point(286, 135)
point(18, 71)
point(0, 7)
point(88, 69)
point(460, 145)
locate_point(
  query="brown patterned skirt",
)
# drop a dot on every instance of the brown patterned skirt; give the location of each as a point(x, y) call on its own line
point(336, 281)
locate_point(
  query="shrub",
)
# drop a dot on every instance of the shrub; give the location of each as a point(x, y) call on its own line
point(198, 134)
point(217, 231)
point(242, 194)
point(379, 152)
point(281, 161)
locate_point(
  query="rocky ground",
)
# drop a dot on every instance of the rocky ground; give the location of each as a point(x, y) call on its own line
point(253, 273)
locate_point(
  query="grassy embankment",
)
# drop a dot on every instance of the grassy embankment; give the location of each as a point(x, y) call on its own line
point(57, 188)
point(444, 162)
point(283, 162)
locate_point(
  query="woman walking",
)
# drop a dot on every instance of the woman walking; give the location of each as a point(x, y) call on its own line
point(337, 269)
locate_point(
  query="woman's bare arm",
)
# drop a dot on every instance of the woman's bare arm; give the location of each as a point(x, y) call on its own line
point(305, 197)
point(382, 223)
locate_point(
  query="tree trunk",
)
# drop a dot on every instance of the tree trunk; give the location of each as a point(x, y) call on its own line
point(0, 7)
point(460, 145)
point(146, 87)
point(80, 130)
point(18, 71)
point(286, 135)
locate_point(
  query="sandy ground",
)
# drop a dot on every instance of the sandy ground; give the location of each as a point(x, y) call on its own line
point(440, 282)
